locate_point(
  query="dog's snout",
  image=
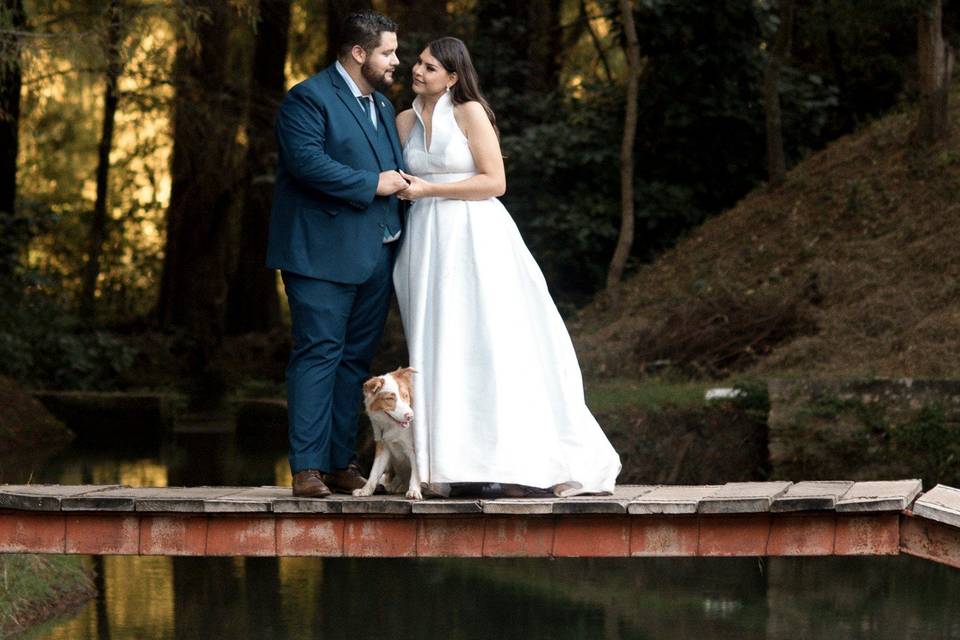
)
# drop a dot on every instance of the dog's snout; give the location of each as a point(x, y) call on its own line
point(408, 416)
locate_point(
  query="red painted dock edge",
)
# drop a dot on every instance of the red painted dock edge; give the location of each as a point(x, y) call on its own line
point(491, 536)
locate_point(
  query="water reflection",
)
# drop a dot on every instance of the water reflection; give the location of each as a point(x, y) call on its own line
point(184, 460)
point(837, 598)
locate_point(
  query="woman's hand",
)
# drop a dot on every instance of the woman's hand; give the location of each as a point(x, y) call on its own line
point(419, 188)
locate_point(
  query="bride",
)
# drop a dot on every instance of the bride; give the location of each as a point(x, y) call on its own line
point(499, 397)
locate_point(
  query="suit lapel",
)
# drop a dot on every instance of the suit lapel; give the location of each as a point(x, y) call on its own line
point(353, 106)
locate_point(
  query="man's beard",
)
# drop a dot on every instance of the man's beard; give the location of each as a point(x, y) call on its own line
point(378, 82)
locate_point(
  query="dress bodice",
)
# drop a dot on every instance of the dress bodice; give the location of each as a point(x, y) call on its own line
point(448, 158)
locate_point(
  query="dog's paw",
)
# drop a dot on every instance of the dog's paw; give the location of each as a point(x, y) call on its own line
point(414, 494)
point(363, 492)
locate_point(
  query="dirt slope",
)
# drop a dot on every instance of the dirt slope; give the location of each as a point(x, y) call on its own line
point(852, 268)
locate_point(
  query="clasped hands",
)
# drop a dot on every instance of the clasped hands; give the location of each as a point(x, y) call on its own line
point(403, 185)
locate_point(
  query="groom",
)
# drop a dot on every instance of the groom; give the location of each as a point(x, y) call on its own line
point(333, 234)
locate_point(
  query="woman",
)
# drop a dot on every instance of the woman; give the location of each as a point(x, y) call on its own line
point(499, 397)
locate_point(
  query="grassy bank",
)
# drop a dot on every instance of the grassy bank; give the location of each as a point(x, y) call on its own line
point(34, 588)
point(611, 395)
point(667, 433)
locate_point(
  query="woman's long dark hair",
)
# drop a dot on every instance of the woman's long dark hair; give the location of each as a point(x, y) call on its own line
point(453, 55)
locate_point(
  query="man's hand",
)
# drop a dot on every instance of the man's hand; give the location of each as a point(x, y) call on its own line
point(390, 183)
point(419, 188)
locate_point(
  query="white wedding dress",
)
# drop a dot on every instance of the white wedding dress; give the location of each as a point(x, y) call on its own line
point(498, 396)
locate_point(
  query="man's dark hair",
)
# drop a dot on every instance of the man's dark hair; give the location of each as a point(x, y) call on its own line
point(363, 28)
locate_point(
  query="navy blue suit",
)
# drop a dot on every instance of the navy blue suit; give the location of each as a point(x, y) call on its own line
point(327, 228)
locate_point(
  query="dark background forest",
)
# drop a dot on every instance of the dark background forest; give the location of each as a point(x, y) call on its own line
point(138, 153)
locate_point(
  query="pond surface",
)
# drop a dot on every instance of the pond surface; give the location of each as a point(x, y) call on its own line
point(279, 598)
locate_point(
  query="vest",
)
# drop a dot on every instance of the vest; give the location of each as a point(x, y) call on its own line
point(390, 207)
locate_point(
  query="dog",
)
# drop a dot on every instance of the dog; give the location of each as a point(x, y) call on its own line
point(388, 400)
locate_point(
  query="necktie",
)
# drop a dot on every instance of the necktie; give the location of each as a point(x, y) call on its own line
point(366, 102)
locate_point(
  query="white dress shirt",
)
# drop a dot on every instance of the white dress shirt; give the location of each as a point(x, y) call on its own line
point(370, 108)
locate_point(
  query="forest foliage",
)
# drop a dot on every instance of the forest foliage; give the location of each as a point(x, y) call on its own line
point(553, 70)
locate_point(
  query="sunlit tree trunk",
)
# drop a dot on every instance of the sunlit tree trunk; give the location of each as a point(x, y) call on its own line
point(202, 221)
point(337, 12)
point(98, 223)
point(12, 18)
point(585, 23)
point(776, 162)
point(935, 67)
point(252, 303)
point(625, 239)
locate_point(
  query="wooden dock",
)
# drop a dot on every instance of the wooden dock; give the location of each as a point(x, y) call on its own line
point(735, 519)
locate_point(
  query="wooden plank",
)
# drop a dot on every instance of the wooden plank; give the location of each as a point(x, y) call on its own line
point(445, 506)
point(617, 503)
point(811, 496)
point(931, 540)
point(376, 504)
point(743, 497)
point(942, 503)
point(181, 499)
point(519, 506)
point(253, 500)
point(152, 499)
point(291, 504)
point(880, 495)
point(671, 499)
point(43, 497)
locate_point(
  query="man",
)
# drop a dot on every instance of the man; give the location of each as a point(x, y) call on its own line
point(333, 234)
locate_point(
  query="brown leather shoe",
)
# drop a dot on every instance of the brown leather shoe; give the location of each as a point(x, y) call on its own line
point(309, 484)
point(345, 480)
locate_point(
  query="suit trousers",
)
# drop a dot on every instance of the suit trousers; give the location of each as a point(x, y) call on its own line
point(336, 330)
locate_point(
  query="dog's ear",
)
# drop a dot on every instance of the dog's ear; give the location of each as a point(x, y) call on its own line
point(372, 385)
point(405, 372)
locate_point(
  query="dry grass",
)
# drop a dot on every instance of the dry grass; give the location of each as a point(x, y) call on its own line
point(863, 236)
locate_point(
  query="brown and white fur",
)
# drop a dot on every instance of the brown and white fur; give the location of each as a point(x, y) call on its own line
point(388, 400)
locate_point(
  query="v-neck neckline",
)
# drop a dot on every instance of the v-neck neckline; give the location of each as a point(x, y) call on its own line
point(418, 110)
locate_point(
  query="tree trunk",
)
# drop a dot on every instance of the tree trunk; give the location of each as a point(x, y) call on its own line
point(543, 53)
point(625, 239)
point(519, 43)
point(935, 67)
point(835, 56)
point(202, 219)
point(420, 21)
point(12, 18)
point(98, 224)
point(253, 303)
point(337, 12)
point(776, 162)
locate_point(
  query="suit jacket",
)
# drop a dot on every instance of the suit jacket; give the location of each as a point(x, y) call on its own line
point(327, 221)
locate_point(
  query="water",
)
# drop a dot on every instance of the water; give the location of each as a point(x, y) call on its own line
point(279, 598)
